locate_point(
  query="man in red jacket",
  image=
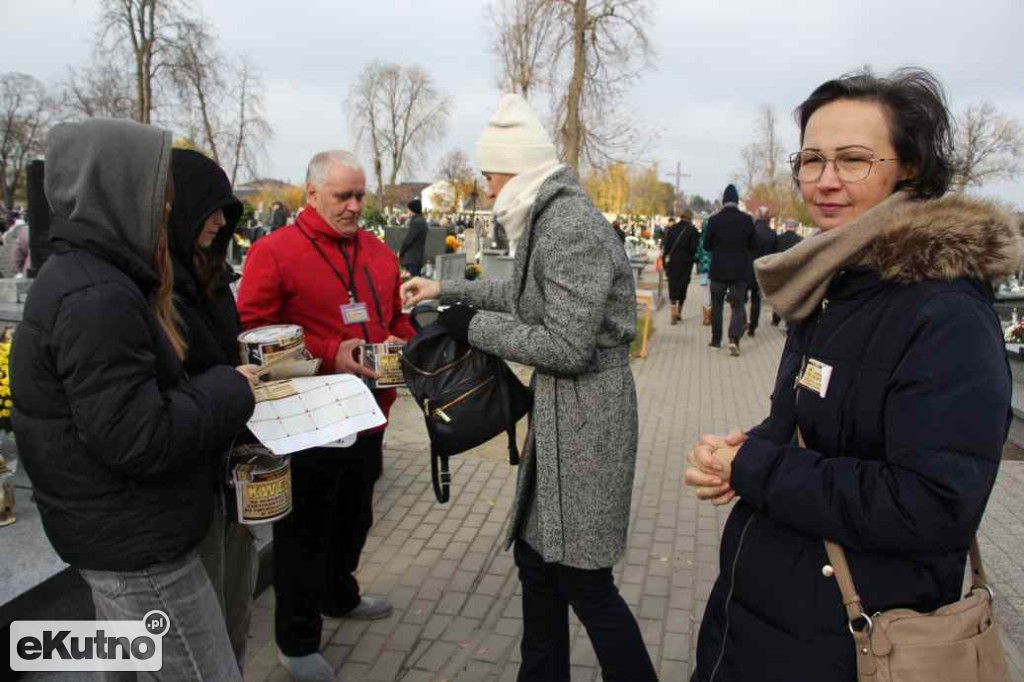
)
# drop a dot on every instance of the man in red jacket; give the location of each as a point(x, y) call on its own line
point(340, 284)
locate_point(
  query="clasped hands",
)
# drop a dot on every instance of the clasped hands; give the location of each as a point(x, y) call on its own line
point(710, 470)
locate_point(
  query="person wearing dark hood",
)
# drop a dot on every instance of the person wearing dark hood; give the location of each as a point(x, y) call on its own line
point(767, 244)
point(115, 435)
point(203, 221)
point(730, 241)
point(678, 248)
point(412, 255)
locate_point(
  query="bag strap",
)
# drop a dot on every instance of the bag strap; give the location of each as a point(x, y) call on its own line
point(441, 480)
point(675, 244)
point(506, 404)
point(837, 558)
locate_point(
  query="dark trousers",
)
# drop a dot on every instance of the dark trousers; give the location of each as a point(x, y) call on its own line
point(755, 305)
point(736, 294)
point(548, 592)
point(414, 269)
point(317, 547)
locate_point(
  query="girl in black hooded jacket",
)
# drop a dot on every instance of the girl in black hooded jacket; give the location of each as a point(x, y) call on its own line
point(202, 224)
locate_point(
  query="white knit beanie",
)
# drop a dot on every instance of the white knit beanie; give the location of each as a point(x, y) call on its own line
point(514, 141)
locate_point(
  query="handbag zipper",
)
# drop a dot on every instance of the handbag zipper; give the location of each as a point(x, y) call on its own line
point(440, 411)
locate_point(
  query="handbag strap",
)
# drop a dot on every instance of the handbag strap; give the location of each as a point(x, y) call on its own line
point(506, 403)
point(441, 480)
point(841, 568)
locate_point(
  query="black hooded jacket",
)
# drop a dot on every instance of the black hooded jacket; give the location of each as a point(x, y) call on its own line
point(112, 432)
point(208, 311)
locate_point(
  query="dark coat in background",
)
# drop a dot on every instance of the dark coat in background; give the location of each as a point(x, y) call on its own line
point(788, 240)
point(767, 243)
point(111, 431)
point(730, 240)
point(414, 246)
point(901, 456)
point(679, 249)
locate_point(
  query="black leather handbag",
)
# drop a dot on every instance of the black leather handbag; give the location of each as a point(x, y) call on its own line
point(467, 396)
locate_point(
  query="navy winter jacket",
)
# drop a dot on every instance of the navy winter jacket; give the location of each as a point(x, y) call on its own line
point(902, 452)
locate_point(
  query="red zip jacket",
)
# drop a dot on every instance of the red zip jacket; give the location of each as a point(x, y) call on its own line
point(287, 281)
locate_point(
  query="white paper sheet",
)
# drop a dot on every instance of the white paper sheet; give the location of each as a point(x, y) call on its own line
point(327, 409)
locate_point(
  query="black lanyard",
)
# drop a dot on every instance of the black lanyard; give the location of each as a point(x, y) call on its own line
point(349, 265)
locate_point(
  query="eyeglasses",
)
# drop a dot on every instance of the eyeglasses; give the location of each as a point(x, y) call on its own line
point(850, 166)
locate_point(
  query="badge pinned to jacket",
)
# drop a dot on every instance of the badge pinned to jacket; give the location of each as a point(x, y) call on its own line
point(816, 377)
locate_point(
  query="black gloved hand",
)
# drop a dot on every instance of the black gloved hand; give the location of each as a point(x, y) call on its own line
point(456, 321)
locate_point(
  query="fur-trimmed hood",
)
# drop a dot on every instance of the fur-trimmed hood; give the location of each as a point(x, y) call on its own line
point(946, 239)
point(904, 241)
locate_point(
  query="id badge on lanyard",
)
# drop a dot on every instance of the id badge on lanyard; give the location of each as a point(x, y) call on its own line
point(355, 313)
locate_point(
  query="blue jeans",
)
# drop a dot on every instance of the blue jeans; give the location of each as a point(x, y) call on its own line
point(197, 646)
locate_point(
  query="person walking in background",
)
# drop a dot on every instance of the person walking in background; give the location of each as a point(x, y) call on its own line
point(786, 241)
point(678, 249)
point(340, 284)
point(730, 240)
point(278, 216)
point(569, 311)
point(119, 440)
point(767, 244)
point(703, 259)
point(891, 405)
point(412, 254)
point(202, 223)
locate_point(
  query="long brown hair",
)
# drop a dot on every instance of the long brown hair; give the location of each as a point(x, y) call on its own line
point(161, 301)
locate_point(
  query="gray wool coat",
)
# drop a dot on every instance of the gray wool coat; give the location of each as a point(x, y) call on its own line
point(573, 323)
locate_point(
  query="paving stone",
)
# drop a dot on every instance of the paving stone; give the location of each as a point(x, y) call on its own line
point(368, 648)
point(437, 656)
point(387, 666)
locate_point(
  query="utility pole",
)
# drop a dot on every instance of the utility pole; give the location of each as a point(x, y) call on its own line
point(678, 175)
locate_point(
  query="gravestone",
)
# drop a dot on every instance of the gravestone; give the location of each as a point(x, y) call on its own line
point(450, 266)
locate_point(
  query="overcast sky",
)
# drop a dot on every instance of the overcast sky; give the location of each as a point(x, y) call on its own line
point(716, 63)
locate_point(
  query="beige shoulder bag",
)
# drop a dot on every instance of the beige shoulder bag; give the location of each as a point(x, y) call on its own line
point(958, 642)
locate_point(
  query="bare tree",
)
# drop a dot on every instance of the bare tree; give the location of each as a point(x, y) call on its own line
point(98, 91)
point(196, 69)
point(367, 115)
point(762, 168)
point(523, 33)
point(397, 112)
point(147, 29)
point(455, 169)
point(769, 147)
point(26, 111)
point(989, 146)
point(605, 45)
point(749, 173)
point(249, 131)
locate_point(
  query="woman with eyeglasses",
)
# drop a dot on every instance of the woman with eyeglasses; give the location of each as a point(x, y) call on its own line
point(892, 399)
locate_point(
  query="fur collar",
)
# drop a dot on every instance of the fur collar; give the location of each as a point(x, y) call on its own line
point(902, 240)
point(946, 239)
